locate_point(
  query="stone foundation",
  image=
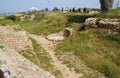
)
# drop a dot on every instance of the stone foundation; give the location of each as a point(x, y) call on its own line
point(107, 25)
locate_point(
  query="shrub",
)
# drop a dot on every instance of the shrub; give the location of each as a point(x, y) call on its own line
point(1, 47)
point(13, 18)
point(4, 22)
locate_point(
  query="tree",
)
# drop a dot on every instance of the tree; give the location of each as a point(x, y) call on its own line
point(106, 4)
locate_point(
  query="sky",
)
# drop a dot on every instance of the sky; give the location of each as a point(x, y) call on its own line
point(9, 6)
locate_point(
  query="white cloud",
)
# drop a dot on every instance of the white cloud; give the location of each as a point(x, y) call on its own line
point(33, 8)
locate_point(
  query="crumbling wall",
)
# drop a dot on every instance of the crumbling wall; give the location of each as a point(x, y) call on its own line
point(107, 25)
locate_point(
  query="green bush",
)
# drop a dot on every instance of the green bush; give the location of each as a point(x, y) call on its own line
point(1, 47)
point(79, 18)
point(13, 18)
point(4, 22)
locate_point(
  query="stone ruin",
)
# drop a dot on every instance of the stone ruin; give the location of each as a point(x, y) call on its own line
point(61, 35)
point(107, 25)
point(17, 40)
point(68, 32)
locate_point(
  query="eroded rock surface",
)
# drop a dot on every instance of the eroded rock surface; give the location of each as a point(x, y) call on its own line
point(107, 25)
point(19, 66)
point(17, 40)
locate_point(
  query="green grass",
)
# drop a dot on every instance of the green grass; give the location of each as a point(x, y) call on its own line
point(110, 14)
point(50, 22)
point(5, 22)
point(44, 24)
point(71, 66)
point(104, 47)
point(99, 50)
point(78, 17)
point(37, 28)
point(41, 58)
point(1, 47)
point(9, 20)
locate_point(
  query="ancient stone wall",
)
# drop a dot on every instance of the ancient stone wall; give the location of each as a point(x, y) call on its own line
point(17, 40)
point(107, 25)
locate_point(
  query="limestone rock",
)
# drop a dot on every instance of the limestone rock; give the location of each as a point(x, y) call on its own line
point(55, 37)
point(90, 23)
point(19, 66)
point(17, 40)
point(107, 25)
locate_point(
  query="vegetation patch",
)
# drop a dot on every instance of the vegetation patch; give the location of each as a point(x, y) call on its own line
point(12, 17)
point(9, 20)
point(44, 23)
point(99, 50)
point(5, 22)
point(41, 58)
point(1, 47)
point(109, 14)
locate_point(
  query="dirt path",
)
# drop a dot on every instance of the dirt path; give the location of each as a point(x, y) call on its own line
point(49, 47)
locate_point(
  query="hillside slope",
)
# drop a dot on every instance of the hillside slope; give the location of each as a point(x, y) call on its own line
point(19, 66)
point(92, 49)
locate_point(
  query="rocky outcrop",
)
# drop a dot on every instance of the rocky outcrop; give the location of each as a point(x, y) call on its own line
point(90, 23)
point(17, 40)
point(19, 66)
point(107, 25)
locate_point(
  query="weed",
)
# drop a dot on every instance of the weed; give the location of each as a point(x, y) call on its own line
point(41, 58)
point(1, 47)
point(77, 70)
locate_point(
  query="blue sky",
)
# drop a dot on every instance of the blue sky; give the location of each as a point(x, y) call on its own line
point(24, 5)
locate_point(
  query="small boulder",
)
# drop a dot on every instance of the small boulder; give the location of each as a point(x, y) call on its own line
point(55, 37)
point(90, 23)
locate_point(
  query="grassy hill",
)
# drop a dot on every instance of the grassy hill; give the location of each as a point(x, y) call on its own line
point(100, 51)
